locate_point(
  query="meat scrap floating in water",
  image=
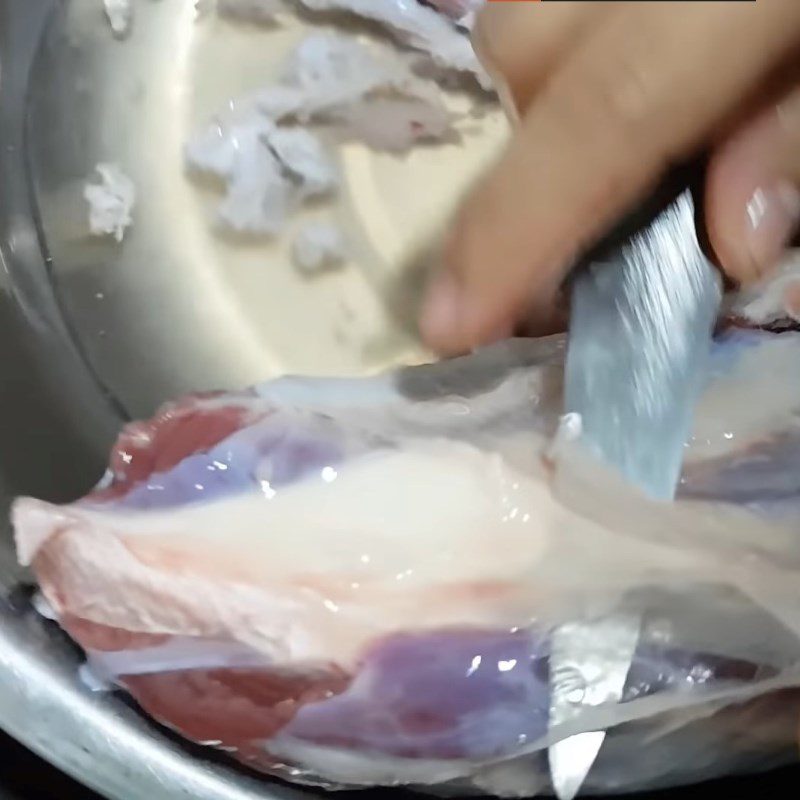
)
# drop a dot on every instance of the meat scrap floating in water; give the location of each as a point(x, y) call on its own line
point(271, 163)
point(353, 582)
point(111, 202)
point(419, 26)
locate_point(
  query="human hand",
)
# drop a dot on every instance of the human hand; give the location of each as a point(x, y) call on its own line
point(606, 96)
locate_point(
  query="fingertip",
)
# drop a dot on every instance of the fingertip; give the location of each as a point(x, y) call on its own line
point(751, 211)
point(439, 320)
point(465, 305)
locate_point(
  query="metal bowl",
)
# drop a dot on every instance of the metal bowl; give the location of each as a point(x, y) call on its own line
point(92, 333)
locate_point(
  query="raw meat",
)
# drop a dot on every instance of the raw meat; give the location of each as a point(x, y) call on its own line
point(353, 582)
point(318, 247)
point(111, 202)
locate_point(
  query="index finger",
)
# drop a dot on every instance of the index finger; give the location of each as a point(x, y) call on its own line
point(640, 93)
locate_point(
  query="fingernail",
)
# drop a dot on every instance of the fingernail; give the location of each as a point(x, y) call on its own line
point(441, 310)
point(773, 214)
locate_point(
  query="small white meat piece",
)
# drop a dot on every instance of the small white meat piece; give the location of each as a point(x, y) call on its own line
point(417, 26)
point(259, 197)
point(218, 148)
point(774, 299)
point(212, 151)
point(318, 247)
point(395, 125)
point(351, 68)
point(120, 16)
point(281, 101)
point(456, 9)
point(333, 70)
point(303, 156)
point(111, 202)
point(259, 11)
point(463, 12)
point(371, 93)
point(259, 194)
point(270, 163)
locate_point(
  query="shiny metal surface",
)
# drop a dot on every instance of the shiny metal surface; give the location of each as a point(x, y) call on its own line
point(589, 664)
point(91, 332)
point(191, 308)
point(640, 340)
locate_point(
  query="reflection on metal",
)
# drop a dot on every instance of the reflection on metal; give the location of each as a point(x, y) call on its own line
point(640, 340)
point(589, 665)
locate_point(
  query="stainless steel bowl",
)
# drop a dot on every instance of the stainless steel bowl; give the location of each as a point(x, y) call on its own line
point(92, 333)
point(58, 418)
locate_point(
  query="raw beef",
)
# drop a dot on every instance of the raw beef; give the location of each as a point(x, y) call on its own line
point(353, 582)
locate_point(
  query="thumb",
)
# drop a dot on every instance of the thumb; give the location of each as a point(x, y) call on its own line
point(753, 191)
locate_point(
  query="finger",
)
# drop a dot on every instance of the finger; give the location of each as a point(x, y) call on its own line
point(518, 43)
point(752, 196)
point(636, 96)
point(547, 320)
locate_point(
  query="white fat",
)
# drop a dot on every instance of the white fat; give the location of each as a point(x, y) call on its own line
point(328, 72)
point(281, 101)
point(423, 533)
point(120, 16)
point(776, 297)
point(179, 653)
point(259, 11)
point(270, 165)
point(353, 768)
point(34, 524)
point(336, 393)
point(318, 247)
point(570, 428)
point(748, 403)
point(111, 202)
point(430, 482)
point(259, 195)
point(226, 145)
point(303, 156)
point(417, 26)
point(395, 124)
point(317, 569)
